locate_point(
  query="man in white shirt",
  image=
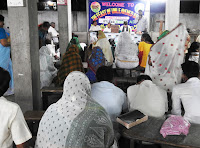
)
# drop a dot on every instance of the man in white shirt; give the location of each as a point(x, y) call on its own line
point(95, 27)
point(54, 33)
point(148, 98)
point(125, 27)
point(188, 93)
point(112, 98)
point(141, 22)
point(13, 126)
point(108, 28)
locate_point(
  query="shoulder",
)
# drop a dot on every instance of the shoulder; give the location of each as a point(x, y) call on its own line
point(8, 107)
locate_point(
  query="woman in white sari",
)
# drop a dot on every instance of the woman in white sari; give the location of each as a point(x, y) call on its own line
point(76, 120)
point(126, 52)
point(166, 57)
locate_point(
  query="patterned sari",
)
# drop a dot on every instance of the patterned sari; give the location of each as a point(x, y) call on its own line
point(95, 61)
point(71, 62)
point(76, 120)
point(167, 55)
point(104, 44)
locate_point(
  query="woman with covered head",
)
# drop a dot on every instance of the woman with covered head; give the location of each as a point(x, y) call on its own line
point(193, 52)
point(95, 61)
point(71, 62)
point(104, 44)
point(76, 120)
point(166, 57)
point(126, 52)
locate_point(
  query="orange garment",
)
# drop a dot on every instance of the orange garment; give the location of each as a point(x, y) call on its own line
point(144, 49)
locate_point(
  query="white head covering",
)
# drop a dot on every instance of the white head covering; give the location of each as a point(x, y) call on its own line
point(148, 99)
point(167, 55)
point(126, 51)
point(67, 123)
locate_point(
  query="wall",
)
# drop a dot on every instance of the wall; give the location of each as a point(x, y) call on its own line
point(191, 20)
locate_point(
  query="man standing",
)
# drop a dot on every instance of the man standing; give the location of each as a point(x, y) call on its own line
point(141, 22)
point(188, 93)
point(54, 33)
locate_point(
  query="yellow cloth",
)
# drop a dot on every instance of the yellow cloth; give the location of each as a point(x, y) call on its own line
point(105, 46)
point(145, 48)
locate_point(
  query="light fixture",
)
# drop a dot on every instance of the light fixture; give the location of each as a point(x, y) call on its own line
point(50, 3)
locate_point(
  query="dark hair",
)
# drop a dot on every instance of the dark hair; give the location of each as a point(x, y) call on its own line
point(46, 24)
point(4, 81)
point(125, 23)
point(193, 48)
point(190, 69)
point(47, 41)
point(1, 18)
point(93, 22)
point(104, 73)
point(143, 77)
point(147, 38)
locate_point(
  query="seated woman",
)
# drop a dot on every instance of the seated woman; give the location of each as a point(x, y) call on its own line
point(95, 61)
point(193, 53)
point(75, 41)
point(144, 49)
point(126, 52)
point(104, 44)
point(112, 98)
point(71, 62)
point(166, 57)
point(47, 68)
point(148, 98)
point(76, 120)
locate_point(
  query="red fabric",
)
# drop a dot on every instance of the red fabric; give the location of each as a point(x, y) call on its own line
point(140, 57)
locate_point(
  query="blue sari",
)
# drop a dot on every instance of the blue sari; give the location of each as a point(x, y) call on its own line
point(5, 60)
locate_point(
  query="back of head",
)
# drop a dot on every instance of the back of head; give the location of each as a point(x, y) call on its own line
point(46, 25)
point(190, 69)
point(142, 78)
point(194, 47)
point(104, 73)
point(1, 18)
point(146, 37)
point(4, 81)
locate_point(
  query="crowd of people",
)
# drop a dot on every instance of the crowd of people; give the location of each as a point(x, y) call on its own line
point(83, 116)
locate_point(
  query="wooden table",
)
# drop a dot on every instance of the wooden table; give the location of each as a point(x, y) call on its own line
point(47, 91)
point(149, 131)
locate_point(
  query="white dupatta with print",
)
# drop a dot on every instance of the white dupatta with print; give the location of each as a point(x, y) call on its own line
point(75, 120)
point(126, 52)
point(167, 55)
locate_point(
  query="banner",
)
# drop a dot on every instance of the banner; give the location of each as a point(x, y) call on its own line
point(115, 12)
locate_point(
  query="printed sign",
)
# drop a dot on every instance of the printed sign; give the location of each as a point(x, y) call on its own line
point(115, 12)
point(61, 2)
point(15, 3)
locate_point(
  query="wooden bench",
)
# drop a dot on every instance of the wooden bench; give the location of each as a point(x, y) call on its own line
point(47, 91)
point(33, 118)
point(149, 131)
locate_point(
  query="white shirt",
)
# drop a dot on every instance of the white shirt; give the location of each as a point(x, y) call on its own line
point(95, 28)
point(141, 24)
point(54, 34)
point(188, 94)
point(13, 127)
point(107, 30)
point(148, 98)
point(125, 29)
point(112, 98)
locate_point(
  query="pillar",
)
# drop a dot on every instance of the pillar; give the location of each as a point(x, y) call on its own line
point(172, 14)
point(65, 27)
point(147, 14)
point(25, 54)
